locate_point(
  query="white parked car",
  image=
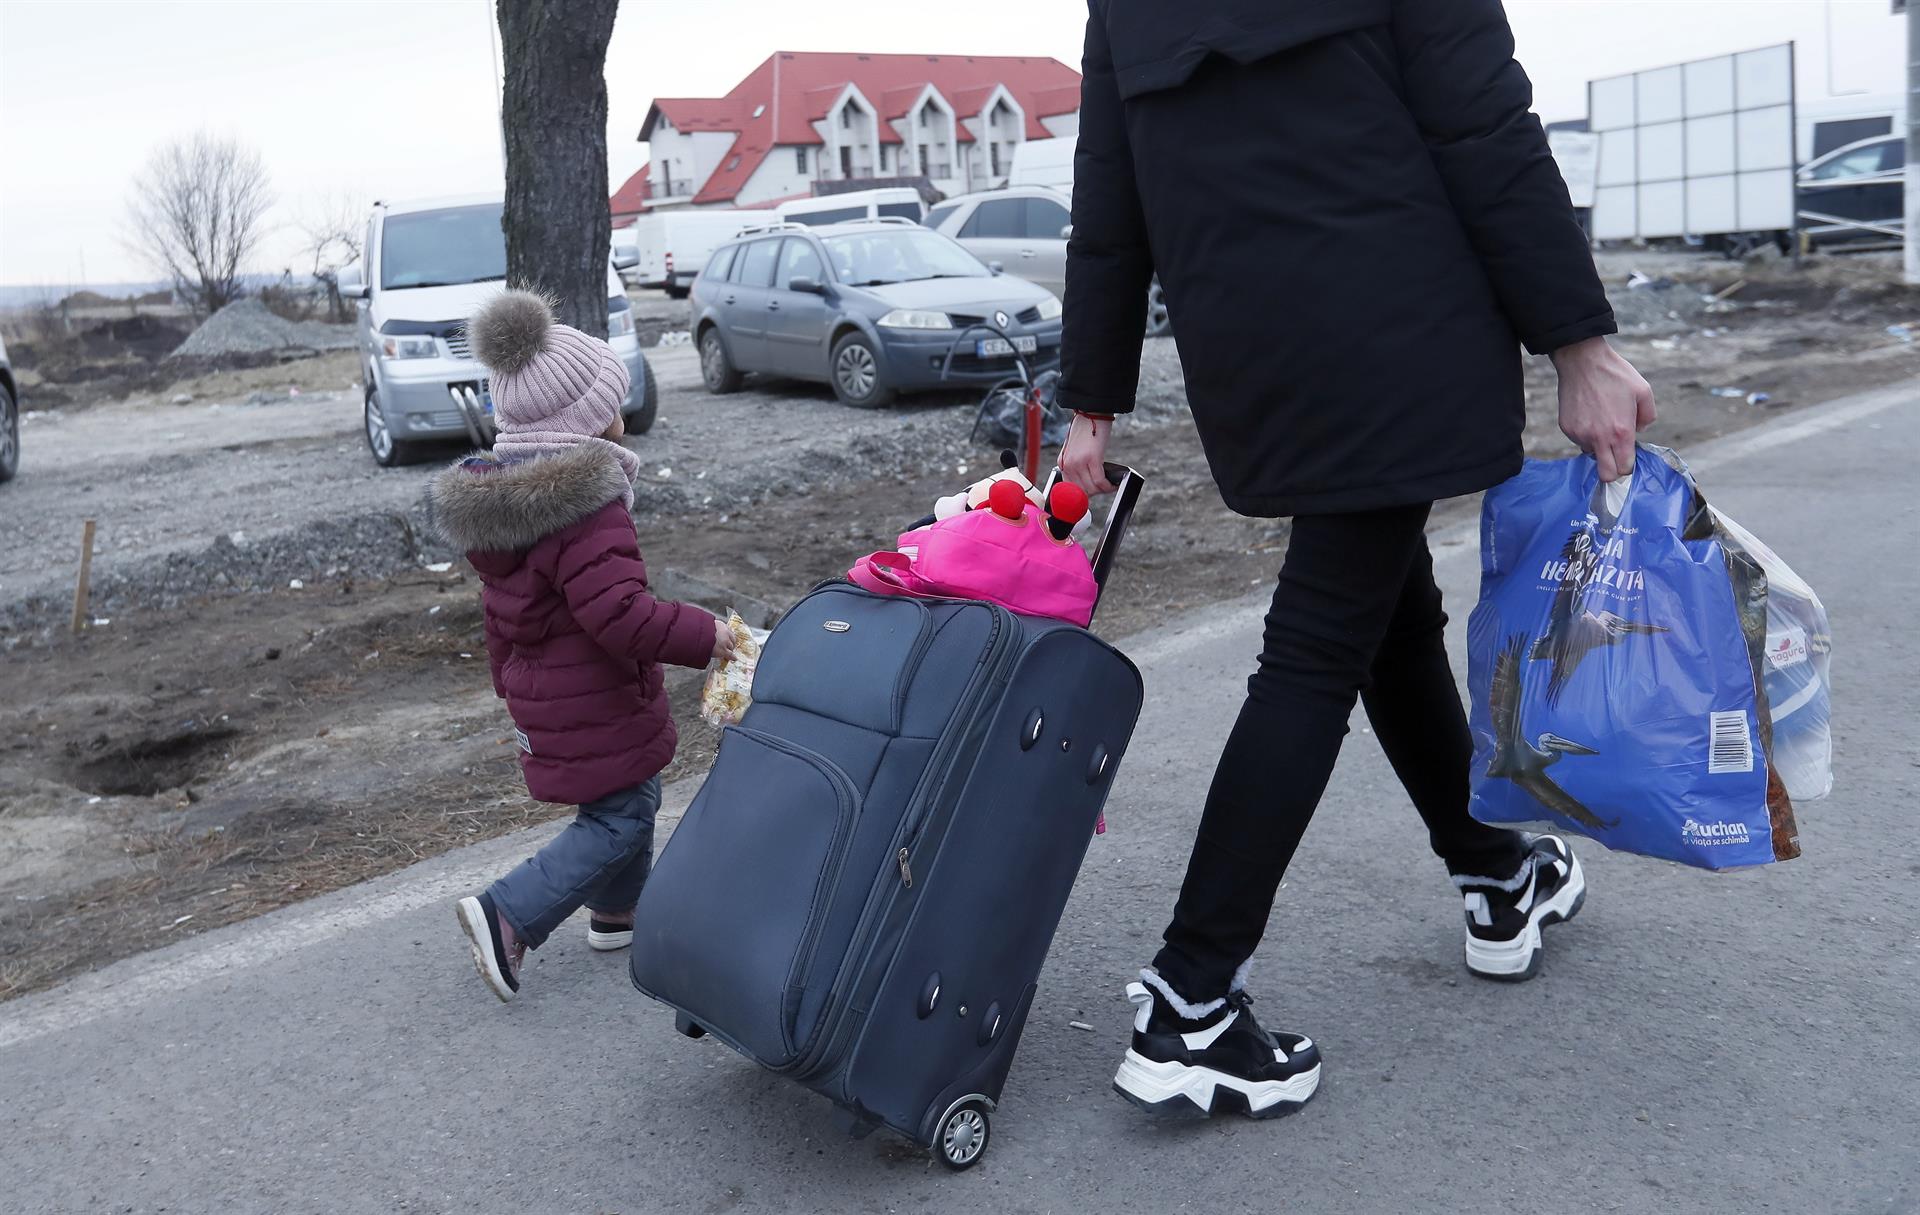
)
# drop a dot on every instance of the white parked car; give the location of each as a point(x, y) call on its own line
point(1024, 230)
point(901, 201)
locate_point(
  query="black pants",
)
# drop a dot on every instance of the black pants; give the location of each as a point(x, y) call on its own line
point(1356, 613)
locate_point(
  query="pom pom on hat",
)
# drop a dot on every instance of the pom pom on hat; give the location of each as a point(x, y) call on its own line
point(510, 331)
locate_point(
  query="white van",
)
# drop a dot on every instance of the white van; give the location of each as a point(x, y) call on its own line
point(670, 246)
point(426, 267)
point(1044, 162)
point(903, 201)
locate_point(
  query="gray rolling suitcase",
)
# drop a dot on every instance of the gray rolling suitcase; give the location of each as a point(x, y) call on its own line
point(863, 892)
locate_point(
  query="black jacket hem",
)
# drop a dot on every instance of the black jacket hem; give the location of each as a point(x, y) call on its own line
point(1432, 488)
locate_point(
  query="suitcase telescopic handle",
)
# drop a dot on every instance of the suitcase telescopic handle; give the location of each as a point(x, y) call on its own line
point(1127, 485)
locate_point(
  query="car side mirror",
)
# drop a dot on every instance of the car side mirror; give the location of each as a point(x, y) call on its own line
point(806, 285)
point(996, 268)
point(625, 261)
point(1066, 233)
point(352, 282)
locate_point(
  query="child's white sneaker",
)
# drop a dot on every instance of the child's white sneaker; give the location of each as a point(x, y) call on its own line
point(608, 935)
point(497, 952)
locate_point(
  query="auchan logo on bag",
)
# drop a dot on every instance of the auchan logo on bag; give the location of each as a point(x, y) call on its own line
point(1707, 834)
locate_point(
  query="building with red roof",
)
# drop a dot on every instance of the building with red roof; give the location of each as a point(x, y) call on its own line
point(632, 197)
point(801, 119)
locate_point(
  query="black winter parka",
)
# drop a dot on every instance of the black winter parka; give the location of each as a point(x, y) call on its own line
point(1357, 224)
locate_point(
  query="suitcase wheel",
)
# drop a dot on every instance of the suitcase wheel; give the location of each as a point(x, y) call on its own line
point(962, 1136)
point(687, 1026)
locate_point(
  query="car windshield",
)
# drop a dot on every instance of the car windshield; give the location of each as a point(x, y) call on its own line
point(443, 248)
point(897, 255)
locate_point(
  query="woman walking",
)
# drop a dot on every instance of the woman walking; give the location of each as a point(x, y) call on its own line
point(1357, 224)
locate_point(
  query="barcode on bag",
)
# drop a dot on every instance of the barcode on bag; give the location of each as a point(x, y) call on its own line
point(1732, 749)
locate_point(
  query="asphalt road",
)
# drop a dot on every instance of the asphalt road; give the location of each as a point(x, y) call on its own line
point(1735, 1043)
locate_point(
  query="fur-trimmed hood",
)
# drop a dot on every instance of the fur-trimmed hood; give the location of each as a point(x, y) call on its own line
point(483, 504)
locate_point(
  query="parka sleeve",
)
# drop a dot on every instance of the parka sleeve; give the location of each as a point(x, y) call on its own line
point(600, 573)
point(1109, 265)
point(1473, 103)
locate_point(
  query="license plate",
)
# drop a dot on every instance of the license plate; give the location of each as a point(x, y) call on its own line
point(988, 348)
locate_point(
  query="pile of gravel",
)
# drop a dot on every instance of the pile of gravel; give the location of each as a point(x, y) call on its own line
point(246, 327)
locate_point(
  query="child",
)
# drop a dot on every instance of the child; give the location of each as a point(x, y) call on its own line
point(573, 637)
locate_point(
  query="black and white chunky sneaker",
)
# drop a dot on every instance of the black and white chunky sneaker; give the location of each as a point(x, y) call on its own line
point(1504, 918)
point(1219, 1061)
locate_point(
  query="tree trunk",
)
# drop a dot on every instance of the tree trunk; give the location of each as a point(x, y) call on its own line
point(554, 113)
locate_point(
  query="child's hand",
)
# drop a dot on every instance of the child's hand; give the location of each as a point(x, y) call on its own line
point(722, 642)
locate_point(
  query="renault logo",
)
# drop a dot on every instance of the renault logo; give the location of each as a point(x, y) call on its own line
point(1002, 319)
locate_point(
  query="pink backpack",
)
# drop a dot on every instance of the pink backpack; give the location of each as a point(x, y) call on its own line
point(1017, 564)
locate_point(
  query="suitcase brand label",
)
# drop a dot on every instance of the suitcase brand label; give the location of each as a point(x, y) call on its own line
point(836, 626)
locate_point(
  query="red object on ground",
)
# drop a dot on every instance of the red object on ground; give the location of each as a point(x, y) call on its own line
point(1067, 502)
point(1007, 499)
point(1031, 431)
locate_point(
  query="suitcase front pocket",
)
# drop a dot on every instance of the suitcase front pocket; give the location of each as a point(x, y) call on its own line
point(727, 923)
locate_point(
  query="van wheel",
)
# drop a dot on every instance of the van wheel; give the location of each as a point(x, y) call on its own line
point(857, 378)
point(716, 368)
point(1159, 322)
point(388, 452)
point(640, 421)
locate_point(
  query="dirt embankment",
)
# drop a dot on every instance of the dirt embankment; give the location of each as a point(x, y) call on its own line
point(227, 742)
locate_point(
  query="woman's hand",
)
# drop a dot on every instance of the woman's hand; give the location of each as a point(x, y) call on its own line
point(722, 641)
point(1083, 458)
point(1604, 402)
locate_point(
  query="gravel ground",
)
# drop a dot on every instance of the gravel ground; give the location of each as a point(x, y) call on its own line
point(248, 494)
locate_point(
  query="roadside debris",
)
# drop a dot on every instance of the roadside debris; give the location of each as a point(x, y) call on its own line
point(1728, 392)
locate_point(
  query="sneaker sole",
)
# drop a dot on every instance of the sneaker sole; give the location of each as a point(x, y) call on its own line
point(473, 922)
point(606, 942)
point(1518, 960)
point(1179, 1091)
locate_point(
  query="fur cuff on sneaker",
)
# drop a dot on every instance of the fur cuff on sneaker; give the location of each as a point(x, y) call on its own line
point(1509, 885)
point(1192, 1012)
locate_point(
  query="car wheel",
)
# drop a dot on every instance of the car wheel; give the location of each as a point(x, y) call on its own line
point(1159, 323)
point(640, 421)
point(388, 452)
point(715, 367)
point(857, 378)
point(9, 434)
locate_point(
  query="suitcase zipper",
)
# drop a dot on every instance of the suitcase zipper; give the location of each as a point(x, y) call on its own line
point(906, 868)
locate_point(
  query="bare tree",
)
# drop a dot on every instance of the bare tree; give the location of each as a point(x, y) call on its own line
point(554, 112)
point(195, 215)
point(334, 228)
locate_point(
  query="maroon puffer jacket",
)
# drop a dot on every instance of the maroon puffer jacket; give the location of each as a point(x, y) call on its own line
point(574, 638)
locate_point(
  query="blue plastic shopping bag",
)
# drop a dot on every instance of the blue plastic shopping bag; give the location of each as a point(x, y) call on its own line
point(1617, 658)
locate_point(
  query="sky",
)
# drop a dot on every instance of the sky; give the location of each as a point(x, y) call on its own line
point(365, 99)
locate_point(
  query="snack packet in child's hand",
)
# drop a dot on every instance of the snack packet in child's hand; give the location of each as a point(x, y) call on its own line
point(729, 686)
